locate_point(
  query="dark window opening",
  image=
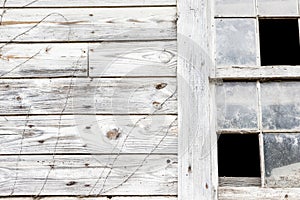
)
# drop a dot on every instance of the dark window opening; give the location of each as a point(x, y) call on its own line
point(279, 42)
point(238, 155)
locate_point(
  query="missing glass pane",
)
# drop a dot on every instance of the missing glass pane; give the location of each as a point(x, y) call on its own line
point(279, 42)
point(238, 155)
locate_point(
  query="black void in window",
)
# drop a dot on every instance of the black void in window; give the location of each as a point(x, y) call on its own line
point(238, 155)
point(279, 42)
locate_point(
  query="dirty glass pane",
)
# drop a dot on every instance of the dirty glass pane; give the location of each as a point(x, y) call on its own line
point(277, 7)
point(235, 42)
point(280, 105)
point(234, 8)
point(236, 105)
point(282, 160)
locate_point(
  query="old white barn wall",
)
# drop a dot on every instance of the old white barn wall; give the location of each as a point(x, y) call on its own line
point(69, 69)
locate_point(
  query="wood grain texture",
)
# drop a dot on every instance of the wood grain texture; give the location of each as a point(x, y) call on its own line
point(255, 72)
point(87, 134)
point(196, 177)
point(76, 175)
point(93, 198)
point(93, 96)
point(155, 58)
point(239, 181)
point(255, 193)
point(96, 24)
point(84, 3)
point(43, 60)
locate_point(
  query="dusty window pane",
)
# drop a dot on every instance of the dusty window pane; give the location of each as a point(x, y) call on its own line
point(280, 105)
point(282, 160)
point(277, 7)
point(236, 105)
point(234, 8)
point(235, 42)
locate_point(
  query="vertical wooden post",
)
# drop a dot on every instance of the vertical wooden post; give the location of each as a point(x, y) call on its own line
point(197, 147)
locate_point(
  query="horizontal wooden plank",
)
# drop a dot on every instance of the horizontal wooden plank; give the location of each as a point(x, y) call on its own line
point(77, 175)
point(156, 58)
point(239, 181)
point(84, 24)
point(85, 95)
point(93, 198)
point(43, 60)
point(255, 72)
point(255, 193)
point(88, 134)
point(84, 3)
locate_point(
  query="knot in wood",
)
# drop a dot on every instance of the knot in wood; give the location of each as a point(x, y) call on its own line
point(113, 134)
point(160, 86)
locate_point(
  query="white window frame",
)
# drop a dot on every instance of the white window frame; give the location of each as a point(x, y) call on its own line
point(198, 171)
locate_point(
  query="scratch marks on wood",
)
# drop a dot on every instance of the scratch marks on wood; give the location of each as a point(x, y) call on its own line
point(15, 37)
point(20, 152)
point(86, 3)
point(30, 3)
point(59, 129)
point(44, 128)
point(43, 60)
point(3, 12)
point(58, 24)
point(19, 65)
point(122, 146)
point(99, 96)
point(155, 177)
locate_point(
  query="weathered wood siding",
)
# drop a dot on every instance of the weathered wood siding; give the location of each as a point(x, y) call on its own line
point(88, 99)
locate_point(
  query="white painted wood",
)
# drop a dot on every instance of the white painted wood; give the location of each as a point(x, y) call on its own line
point(84, 24)
point(277, 7)
point(84, 3)
point(153, 58)
point(214, 142)
point(156, 58)
point(239, 181)
point(238, 72)
point(43, 60)
point(77, 174)
point(254, 193)
point(94, 96)
point(235, 8)
point(194, 51)
point(93, 198)
point(42, 132)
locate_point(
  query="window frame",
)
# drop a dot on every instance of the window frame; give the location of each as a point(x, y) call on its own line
point(197, 172)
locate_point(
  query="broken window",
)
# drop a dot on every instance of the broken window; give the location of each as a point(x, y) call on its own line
point(238, 155)
point(279, 42)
